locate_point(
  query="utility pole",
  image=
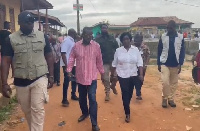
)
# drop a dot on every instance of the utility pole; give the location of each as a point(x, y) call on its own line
point(78, 21)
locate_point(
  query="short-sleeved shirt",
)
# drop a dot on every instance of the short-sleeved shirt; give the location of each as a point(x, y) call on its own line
point(8, 51)
point(3, 35)
point(66, 47)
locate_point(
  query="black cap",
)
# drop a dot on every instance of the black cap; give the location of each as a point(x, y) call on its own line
point(26, 16)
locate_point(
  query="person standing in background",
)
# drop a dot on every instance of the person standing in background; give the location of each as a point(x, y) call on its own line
point(118, 40)
point(55, 47)
point(3, 35)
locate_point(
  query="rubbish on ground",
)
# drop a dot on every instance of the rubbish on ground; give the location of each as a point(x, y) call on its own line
point(188, 109)
point(62, 123)
point(188, 128)
point(195, 106)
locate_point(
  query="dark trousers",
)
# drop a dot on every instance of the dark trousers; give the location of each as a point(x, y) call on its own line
point(127, 86)
point(66, 84)
point(91, 91)
point(57, 72)
point(138, 87)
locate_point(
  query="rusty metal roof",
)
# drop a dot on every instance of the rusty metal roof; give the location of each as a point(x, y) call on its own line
point(52, 20)
point(32, 4)
point(155, 21)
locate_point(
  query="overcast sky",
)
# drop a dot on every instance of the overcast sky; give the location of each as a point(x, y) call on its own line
point(123, 11)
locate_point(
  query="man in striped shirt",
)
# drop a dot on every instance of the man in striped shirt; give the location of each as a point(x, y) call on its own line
point(88, 62)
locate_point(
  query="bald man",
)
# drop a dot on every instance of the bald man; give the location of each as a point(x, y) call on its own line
point(66, 48)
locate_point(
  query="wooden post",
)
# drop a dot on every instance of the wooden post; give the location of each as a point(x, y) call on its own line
point(22, 5)
point(47, 23)
point(38, 9)
point(78, 21)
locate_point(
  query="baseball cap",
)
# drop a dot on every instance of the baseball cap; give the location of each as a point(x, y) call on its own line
point(25, 17)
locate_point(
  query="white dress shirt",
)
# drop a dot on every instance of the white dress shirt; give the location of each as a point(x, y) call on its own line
point(127, 62)
point(66, 47)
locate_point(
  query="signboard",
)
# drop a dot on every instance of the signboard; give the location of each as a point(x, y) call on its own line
point(78, 7)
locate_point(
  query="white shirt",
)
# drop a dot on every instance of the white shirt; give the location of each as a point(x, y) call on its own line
point(152, 36)
point(118, 41)
point(66, 47)
point(127, 62)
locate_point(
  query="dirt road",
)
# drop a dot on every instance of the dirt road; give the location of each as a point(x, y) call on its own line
point(146, 115)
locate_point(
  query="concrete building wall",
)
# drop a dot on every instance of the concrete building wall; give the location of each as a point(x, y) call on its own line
point(15, 4)
point(117, 31)
point(191, 47)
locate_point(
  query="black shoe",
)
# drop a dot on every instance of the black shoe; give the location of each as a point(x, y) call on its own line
point(58, 83)
point(74, 97)
point(65, 103)
point(82, 118)
point(139, 98)
point(164, 103)
point(127, 118)
point(171, 103)
point(95, 128)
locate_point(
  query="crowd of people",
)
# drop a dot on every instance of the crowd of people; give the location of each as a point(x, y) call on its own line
point(37, 59)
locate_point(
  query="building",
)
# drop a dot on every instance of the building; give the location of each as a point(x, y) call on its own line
point(112, 29)
point(157, 25)
point(9, 10)
point(53, 25)
point(118, 29)
point(96, 29)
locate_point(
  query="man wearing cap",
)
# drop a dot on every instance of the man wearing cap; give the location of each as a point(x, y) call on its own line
point(33, 70)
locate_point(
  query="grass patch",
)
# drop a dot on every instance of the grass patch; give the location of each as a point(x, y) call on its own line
point(197, 101)
point(6, 110)
point(187, 101)
point(152, 62)
point(194, 90)
point(186, 67)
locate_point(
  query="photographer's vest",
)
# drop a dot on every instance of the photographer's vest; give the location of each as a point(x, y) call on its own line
point(29, 61)
point(177, 45)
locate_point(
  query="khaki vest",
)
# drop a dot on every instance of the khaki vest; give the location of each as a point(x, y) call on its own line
point(29, 61)
point(177, 45)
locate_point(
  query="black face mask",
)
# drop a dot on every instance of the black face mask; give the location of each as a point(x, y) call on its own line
point(26, 31)
point(104, 33)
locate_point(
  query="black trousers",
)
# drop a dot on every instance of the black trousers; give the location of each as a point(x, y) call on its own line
point(57, 72)
point(138, 87)
point(127, 85)
point(66, 84)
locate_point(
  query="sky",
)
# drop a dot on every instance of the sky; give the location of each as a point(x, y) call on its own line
point(123, 12)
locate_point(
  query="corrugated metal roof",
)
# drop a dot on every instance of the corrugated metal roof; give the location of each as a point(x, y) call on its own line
point(154, 21)
point(53, 20)
point(32, 4)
